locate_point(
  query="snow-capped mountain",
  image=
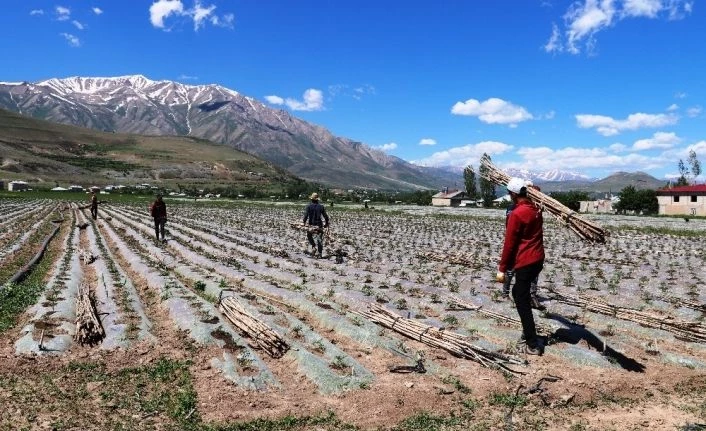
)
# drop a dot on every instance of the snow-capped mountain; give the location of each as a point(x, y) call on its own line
point(551, 175)
point(136, 104)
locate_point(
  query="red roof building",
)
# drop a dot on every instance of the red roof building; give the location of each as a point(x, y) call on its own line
point(683, 200)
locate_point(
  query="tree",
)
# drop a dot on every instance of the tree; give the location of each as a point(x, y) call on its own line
point(639, 201)
point(487, 188)
point(694, 163)
point(683, 172)
point(469, 177)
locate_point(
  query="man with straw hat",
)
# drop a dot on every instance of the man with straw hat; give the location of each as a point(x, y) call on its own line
point(315, 215)
point(523, 250)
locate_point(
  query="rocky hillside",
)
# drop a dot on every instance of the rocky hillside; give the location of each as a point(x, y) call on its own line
point(137, 105)
point(41, 151)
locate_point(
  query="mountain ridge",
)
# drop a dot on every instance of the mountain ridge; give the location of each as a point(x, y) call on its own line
point(136, 104)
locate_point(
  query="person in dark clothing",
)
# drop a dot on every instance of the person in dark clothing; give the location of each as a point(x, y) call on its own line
point(94, 205)
point(523, 250)
point(510, 273)
point(315, 215)
point(158, 210)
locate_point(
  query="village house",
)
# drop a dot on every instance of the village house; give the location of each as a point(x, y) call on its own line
point(683, 200)
point(600, 206)
point(448, 198)
point(16, 186)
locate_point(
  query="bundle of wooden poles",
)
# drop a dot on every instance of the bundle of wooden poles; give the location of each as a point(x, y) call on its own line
point(682, 329)
point(585, 229)
point(456, 344)
point(264, 336)
point(453, 303)
point(330, 238)
point(89, 329)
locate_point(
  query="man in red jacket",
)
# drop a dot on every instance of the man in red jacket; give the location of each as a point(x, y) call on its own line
point(523, 250)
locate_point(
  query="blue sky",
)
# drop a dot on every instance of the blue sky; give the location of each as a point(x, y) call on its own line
point(592, 86)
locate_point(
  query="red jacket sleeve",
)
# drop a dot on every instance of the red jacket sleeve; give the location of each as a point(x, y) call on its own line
point(512, 242)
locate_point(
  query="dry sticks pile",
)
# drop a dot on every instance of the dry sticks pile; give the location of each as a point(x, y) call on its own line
point(583, 228)
point(682, 329)
point(265, 337)
point(88, 327)
point(456, 344)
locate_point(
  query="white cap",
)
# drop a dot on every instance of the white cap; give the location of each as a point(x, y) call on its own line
point(515, 185)
point(528, 183)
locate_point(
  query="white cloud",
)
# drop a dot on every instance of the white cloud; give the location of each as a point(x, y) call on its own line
point(78, 25)
point(492, 111)
point(97, 10)
point(673, 107)
point(184, 77)
point(62, 13)
point(72, 40)
point(427, 141)
point(646, 8)
point(36, 12)
point(680, 95)
point(463, 156)
point(386, 147)
point(162, 9)
point(694, 111)
point(554, 42)
point(275, 100)
point(313, 100)
point(658, 140)
point(585, 18)
point(226, 20)
point(607, 126)
point(543, 158)
point(549, 115)
point(200, 14)
point(617, 147)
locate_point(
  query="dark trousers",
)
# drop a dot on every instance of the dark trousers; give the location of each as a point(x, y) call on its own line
point(159, 227)
point(94, 212)
point(316, 239)
point(521, 294)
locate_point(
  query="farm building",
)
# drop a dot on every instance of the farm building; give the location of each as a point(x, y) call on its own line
point(683, 200)
point(16, 186)
point(600, 206)
point(448, 198)
point(75, 188)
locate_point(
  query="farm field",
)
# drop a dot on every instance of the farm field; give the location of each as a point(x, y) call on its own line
point(624, 322)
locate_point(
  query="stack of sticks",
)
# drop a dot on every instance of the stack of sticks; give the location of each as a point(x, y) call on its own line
point(585, 229)
point(264, 336)
point(682, 329)
point(456, 344)
point(89, 329)
point(330, 238)
point(458, 304)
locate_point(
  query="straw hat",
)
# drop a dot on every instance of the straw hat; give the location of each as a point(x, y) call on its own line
point(314, 197)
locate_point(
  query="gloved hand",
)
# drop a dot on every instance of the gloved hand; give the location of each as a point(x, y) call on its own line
point(500, 277)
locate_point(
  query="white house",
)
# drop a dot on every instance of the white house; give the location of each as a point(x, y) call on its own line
point(683, 200)
point(16, 186)
point(448, 198)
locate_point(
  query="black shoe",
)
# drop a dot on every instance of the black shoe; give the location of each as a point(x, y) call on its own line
point(533, 350)
point(534, 302)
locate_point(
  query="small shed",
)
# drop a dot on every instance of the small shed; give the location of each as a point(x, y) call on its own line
point(682, 200)
point(16, 186)
point(448, 198)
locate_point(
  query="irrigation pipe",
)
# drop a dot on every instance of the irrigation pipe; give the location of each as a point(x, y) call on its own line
point(25, 270)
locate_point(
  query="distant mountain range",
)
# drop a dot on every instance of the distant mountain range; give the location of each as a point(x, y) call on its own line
point(138, 105)
point(613, 183)
point(548, 176)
